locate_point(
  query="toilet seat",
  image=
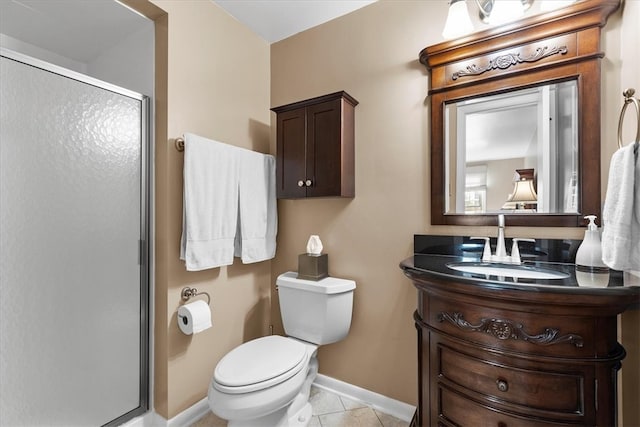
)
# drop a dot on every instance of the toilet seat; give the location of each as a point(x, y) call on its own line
point(260, 363)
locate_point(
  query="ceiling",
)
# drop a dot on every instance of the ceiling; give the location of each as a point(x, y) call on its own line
point(76, 29)
point(278, 19)
point(82, 29)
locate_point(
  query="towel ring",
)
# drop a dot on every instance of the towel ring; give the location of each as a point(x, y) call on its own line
point(188, 293)
point(628, 99)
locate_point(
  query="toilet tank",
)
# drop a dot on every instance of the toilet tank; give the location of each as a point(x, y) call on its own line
point(315, 311)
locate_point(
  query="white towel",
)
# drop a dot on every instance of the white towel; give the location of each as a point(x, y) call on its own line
point(621, 212)
point(258, 220)
point(210, 206)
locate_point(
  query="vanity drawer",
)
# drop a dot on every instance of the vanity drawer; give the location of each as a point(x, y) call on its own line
point(456, 410)
point(548, 393)
point(518, 331)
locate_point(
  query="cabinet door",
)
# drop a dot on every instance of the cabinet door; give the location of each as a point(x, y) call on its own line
point(291, 137)
point(324, 149)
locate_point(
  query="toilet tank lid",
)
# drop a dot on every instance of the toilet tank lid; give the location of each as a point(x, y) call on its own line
point(328, 285)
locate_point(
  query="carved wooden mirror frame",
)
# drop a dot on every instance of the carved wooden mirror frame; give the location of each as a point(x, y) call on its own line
point(555, 46)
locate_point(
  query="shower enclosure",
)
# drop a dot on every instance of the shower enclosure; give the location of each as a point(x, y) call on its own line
point(74, 232)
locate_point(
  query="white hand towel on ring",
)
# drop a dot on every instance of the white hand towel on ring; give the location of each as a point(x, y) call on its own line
point(621, 212)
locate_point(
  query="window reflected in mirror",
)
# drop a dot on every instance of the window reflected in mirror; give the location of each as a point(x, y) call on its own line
point(513, 152)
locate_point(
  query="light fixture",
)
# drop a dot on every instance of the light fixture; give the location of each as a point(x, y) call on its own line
point(524, 193)
point(458, 23)
point(494, 12)
point(500, 11)
point(504, 11)
point(548, 5)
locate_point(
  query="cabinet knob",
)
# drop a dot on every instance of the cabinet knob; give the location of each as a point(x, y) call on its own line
point(502, 385)
point(301, 183)
point(308, 183)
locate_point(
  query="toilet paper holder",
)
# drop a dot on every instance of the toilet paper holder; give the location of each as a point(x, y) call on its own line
point(188, 293)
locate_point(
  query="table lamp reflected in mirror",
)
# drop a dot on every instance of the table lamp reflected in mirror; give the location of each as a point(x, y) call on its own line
point(524, 196)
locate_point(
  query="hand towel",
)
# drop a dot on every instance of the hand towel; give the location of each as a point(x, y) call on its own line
point(210, 203)
point(621, 212)
point(257, 218)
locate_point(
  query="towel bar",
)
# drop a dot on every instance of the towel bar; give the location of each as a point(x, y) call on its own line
point(628, 99)
point(180, 144)
point(188, 293)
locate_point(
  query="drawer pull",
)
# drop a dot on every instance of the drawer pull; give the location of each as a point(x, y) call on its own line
point(502, 385)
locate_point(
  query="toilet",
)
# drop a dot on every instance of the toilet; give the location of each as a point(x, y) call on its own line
point(267, 381)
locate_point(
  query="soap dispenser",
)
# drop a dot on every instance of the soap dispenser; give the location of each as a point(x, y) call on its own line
point(589, 255)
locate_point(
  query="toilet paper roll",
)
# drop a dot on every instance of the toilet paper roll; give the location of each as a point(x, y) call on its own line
point(194, 317)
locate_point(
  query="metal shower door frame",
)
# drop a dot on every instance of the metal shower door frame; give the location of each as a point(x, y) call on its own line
point(145, 216)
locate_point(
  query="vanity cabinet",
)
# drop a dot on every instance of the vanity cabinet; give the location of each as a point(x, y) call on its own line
point(315, 147)
point(504, 355)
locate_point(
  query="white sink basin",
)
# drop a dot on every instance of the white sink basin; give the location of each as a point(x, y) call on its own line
point(516, 271)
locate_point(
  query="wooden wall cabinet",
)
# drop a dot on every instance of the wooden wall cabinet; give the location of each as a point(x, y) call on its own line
point(315, 147)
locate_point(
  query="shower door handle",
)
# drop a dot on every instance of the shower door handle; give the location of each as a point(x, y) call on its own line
point(142, 252)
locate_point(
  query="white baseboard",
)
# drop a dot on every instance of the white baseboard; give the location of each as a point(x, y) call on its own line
point(395, 408)
point(184, 418)
point(385, 404)
point(149, 419)
point(190, 415)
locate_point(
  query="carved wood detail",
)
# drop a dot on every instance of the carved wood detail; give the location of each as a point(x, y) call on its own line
point(578, 27)
point(508, 329)
point(509, 59)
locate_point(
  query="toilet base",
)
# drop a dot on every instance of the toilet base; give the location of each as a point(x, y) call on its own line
point(302, 417)
point(279, 418)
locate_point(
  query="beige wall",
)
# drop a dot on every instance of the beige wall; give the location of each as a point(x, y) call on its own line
point(213, 80)
point(217, 79)
point(372, 54)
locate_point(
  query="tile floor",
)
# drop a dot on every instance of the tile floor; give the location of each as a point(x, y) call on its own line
point(330, 410)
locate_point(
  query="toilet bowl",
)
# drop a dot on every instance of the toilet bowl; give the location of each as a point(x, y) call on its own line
point(267, 381)
point(261, 377)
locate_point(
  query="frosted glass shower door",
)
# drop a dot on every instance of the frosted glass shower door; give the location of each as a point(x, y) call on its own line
point(73, 275)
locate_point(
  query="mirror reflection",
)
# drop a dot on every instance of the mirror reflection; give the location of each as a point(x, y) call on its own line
point(514, 152)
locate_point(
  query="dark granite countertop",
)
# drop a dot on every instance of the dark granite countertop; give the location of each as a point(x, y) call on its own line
point(434, 253)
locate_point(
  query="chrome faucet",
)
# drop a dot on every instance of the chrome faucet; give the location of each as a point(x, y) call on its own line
point(501, 250)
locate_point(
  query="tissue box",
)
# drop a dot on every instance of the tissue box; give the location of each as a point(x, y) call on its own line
point(313, 267)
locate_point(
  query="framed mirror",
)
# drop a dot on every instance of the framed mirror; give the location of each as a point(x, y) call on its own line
point(513, 153)
point(515, 120)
